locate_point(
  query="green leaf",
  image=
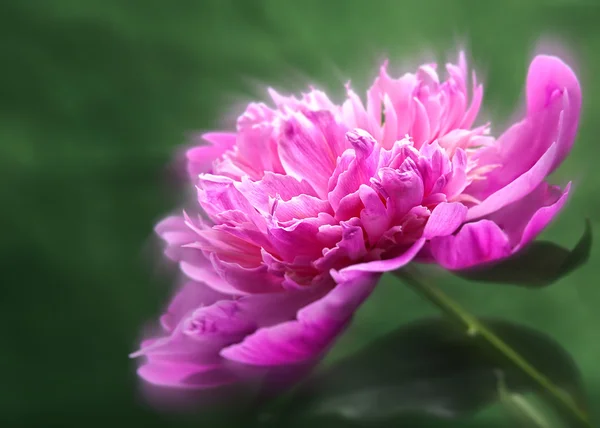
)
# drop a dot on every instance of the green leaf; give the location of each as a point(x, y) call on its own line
point(538, 265)
point(429, 370)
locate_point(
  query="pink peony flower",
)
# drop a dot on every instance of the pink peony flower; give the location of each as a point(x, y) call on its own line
point(308, 202)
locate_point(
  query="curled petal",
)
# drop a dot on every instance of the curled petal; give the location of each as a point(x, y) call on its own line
point(374, 217)
point(348, 250)
point(403, 190)
point(356, 169)
point(553, 108)
point(548, 74)
point(475, 243)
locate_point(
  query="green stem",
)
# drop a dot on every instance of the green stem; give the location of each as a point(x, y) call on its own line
point(475, 327)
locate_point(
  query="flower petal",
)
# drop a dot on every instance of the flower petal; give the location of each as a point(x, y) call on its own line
point(271, 185)
point(374, 217)
point(305, 153)
point(201, 158)
point(348, 250)
point(189, 356)
point(523, 220)
point(246, 279)
point(191, 296)
point(176, 233)
point(186, 375)
point(475, 243)
point(218, 194)
point(307, 337)
point(299, 207)
point(548, 74)
point(381, 265)
point(553, 108)
point(517, 189)
point(403, 190)
point(299, 238)
point(445, 219)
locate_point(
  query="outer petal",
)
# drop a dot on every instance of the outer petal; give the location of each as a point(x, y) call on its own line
point(256, 148)
point(200, 158)
point(314, 330)
point(505, 233)
point(178, 235)
point(402, 190)
point(553, 108)
point(518, 188)
point(189, 356)
point(191, 296)
point(246, 280)
point(185, 375)
point(548, 74)
point(474, 244)
point(525, 219)
point(218, 194)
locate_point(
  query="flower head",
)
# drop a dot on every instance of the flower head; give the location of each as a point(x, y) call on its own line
point(308, 202)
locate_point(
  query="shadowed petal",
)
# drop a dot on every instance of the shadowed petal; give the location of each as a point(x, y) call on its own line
point(382, 265)
point(189, 356)
point(311, 334)
point(186, 375)
point(191, 296)
point(525, 219)
point(475, 243)
point(246, 280)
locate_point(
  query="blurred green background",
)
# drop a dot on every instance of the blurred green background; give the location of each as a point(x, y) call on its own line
point(95, 96)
